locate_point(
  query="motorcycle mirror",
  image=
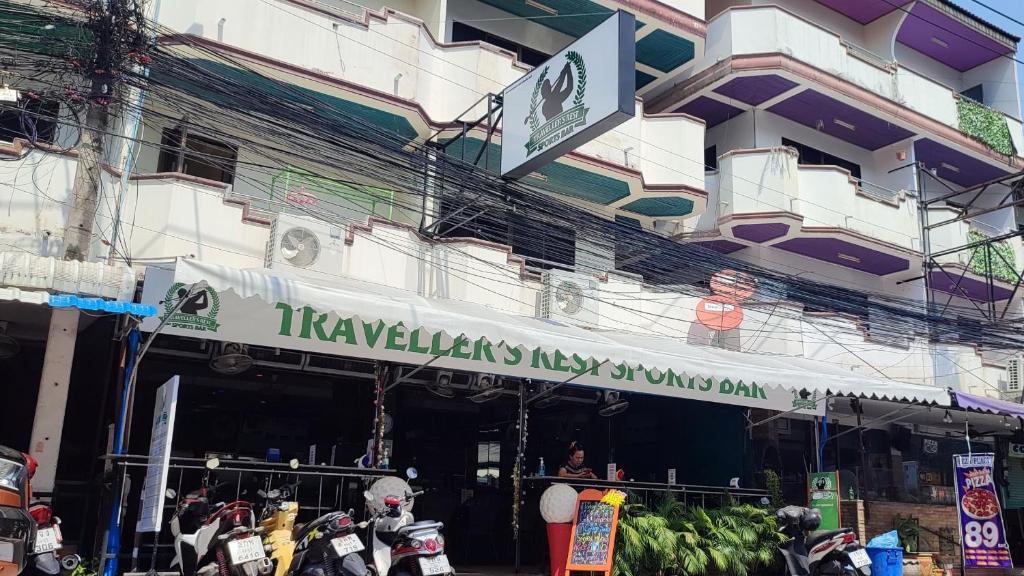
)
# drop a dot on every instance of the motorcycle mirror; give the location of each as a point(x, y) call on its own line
point(170, 494)
point(212, 463)
point(293, 464)
point(411, 473)
point(368, 496)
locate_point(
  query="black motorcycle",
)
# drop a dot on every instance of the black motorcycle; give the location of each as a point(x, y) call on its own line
point(328, 546)
point(823, 553)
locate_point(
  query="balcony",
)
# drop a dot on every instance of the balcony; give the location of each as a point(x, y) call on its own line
point(964, 274)
point(389, 68)
point(764, 197)
point(768, 58)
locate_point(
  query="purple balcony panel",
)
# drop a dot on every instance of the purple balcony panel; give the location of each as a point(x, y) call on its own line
point(754, 90)
point(709, 110)
point(864, 11)
point(947, 40)
point(760, 233)
point(825, 114)
point(950, 282)
point(846, 254)
point(954, 166)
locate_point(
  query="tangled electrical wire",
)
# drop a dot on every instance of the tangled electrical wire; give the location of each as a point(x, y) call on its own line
point(275, 126)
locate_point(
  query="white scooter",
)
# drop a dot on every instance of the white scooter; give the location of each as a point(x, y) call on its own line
point(399, 545)
point(219, 539)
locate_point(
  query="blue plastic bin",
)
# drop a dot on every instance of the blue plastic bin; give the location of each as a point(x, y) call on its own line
point(886, 561)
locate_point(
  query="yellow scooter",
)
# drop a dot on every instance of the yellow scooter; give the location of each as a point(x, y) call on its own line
point(278, 523)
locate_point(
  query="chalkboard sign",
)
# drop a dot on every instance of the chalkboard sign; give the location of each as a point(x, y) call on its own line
point(592, 546)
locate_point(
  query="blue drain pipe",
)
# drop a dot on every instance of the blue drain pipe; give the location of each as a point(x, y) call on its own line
point(114, 528)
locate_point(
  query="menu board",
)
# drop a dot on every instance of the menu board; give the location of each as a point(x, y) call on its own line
point(592, 545)
point(982, 534)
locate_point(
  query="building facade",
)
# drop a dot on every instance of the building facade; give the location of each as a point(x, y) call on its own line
point(823, 139)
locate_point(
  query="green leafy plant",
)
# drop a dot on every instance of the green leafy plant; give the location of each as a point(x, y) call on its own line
point(773, 483)
point(1002, 261)
point(908, 529)
point(734, 540)
point(985, 125)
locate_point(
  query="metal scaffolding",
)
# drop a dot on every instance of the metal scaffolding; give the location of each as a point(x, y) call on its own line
point(987, 257)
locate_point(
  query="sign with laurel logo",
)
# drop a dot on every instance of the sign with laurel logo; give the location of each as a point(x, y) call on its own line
point(198, 312)
point(562, 122)
point(585, 90)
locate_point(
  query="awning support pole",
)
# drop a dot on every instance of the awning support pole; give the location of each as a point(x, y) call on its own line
point(518, 493)
point(380, 380)
point(108, 563)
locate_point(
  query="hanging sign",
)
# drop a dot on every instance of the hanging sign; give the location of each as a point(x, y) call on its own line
point(592, 544)
point(823, 495)
point(152, 508)
point(982, 534)
point(578, 94)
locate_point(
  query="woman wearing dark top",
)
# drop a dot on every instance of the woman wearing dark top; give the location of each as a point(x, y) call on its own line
point(574, 467)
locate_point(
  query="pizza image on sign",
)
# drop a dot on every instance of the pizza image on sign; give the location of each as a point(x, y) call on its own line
point(980, 504)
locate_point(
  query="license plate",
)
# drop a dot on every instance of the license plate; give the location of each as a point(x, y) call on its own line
point(246, 550)
point(860, 558)
point(47, 540)
point(6, 552)
point(431, 565)
point(346, 545)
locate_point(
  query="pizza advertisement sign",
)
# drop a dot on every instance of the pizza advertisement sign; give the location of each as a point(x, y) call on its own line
point(982, 534)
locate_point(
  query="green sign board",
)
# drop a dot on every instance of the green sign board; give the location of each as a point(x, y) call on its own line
point(823, 494)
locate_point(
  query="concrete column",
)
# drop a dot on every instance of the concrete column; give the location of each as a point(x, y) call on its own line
point(48, 423)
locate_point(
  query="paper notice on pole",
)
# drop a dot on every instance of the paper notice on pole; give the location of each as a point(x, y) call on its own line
point(151, 510)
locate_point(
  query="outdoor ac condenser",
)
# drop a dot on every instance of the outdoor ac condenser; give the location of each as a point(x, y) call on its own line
point(308, 247)
point(569, 298)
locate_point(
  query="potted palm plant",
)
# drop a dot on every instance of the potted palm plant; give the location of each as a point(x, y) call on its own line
point(915, 562)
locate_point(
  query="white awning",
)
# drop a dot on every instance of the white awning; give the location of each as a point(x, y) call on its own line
point(359, 319)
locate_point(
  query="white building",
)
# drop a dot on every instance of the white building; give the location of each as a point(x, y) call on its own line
point(789, 134)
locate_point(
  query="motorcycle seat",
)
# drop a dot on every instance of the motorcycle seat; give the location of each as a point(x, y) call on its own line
point(819, 536)
point(421, 525)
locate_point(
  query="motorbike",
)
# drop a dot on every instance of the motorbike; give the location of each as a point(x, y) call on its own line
point(46, 559)
point(278, 523)
point(398, 544)
point(17, 528)
point(328, 546)
point(220, 539)
point(819, 553)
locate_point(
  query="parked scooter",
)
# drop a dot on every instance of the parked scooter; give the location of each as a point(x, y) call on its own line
point(399, 545)
point(17, 528)
point(46, 560)
point(221, 539)
point(824, 553)
point(277, 520)
point(328, 546)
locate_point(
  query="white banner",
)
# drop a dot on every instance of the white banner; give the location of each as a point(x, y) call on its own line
point(378, 323)
point(151, 512)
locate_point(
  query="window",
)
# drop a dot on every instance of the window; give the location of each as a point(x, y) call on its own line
point(40, 115)
point(196, 155)
point(488, 461)
point(815, 157)
point(711, 158)
point(977, 93)
point(463, 33)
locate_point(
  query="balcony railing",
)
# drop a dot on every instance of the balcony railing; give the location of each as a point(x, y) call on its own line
point(765, 181)
point(772, 30)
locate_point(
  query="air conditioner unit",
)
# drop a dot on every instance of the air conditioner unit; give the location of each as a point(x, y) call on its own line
point(306, 246)
point(1014, 374)
point(570, 298)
